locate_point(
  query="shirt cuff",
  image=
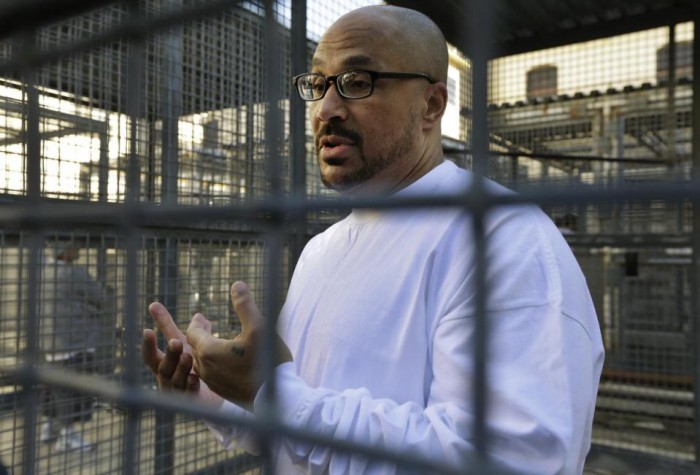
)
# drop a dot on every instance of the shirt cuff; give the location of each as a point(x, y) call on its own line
point(292, 393)
point(230, 436)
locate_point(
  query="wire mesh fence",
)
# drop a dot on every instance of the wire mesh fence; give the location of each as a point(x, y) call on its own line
point(153, 141)
point(610, 115)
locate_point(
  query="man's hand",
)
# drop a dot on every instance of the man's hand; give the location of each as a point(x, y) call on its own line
point(228, 367)
point(173, 369)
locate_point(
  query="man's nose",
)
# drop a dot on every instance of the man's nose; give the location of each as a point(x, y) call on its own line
point(332, 105)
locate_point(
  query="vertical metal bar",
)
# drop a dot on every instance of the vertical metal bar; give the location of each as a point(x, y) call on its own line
point(171, 109)
point(250, 149)
point(30, 396)
point(695, 273)
point(273, 116)
point(131, 350)
point(273, 242)
point(480, 37)
point(103, 165)
point(297, 124)
point(102, 196)
point(165, 421)
point(33, 144)
point(33, 187)
point(671, 98)
point(132, 331)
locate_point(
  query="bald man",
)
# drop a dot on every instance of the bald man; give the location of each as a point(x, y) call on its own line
point(377, 332)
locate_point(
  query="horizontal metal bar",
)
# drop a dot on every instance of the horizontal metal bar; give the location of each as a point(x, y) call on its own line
point(587, 158)
point(276, 211)
point(130, 396)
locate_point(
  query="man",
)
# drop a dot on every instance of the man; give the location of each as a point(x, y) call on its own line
point(377, 332)
point(73, 305)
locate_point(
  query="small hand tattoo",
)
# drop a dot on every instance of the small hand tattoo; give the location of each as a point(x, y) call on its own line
point(239, 351)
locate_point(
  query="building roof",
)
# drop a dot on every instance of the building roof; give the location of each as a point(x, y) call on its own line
point(520, 26)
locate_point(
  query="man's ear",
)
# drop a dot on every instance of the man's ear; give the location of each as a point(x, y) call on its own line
point(436, 102)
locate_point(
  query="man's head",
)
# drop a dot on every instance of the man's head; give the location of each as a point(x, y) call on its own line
point(67, 252)
point(389, 139)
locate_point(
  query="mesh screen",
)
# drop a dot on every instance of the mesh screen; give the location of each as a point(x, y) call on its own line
point(605, 115)
point(149, 149)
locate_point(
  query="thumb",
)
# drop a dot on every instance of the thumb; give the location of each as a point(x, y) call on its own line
point(244, 305)
point(199, 330)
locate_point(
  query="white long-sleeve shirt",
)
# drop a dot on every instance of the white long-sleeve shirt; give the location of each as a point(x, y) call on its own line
point(380, 319)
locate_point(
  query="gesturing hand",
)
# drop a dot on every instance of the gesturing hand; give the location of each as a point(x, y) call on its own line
point(172, 368)
point(229, 366)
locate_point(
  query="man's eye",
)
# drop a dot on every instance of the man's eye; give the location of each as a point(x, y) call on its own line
point(315, 85)
point(356, 82)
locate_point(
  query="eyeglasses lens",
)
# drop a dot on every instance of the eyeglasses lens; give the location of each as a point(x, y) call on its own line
point(350, 84)
point(355, 84)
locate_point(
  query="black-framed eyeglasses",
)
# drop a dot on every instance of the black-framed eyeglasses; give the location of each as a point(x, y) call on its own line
point(353, 84)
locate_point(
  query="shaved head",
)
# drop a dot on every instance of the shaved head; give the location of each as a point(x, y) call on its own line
point(410, 37)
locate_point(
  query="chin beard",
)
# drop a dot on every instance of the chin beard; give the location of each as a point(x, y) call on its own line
point(345, 185)
point(370, 167)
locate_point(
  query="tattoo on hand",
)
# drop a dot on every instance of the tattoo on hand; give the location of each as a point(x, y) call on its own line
point(239, 351)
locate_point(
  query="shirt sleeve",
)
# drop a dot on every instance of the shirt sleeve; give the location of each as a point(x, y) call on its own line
point(439, 432)
point(537, 403)
point(233, 436)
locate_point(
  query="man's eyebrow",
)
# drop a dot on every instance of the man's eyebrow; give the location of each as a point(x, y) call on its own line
point(349, 62)
point(357, 60)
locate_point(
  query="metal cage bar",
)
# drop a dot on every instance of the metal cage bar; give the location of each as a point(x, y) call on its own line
point(191, 165)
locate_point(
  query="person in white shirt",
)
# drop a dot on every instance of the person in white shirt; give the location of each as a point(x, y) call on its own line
point(376, 336)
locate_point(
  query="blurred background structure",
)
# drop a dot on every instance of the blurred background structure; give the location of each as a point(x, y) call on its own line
point(161, 138)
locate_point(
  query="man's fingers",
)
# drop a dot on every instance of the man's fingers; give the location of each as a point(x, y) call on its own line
point(244, 305)
point(171, 368)
point(171, 360)
point(149, 350)
point(165, 322)
point(180, 377)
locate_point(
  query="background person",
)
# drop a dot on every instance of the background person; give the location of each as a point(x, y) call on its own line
point(377, 332)
point(73, 305)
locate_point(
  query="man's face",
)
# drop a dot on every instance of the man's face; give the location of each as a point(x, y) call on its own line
point(370, 143)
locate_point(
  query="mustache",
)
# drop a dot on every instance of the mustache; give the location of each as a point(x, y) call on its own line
point(337, 130)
